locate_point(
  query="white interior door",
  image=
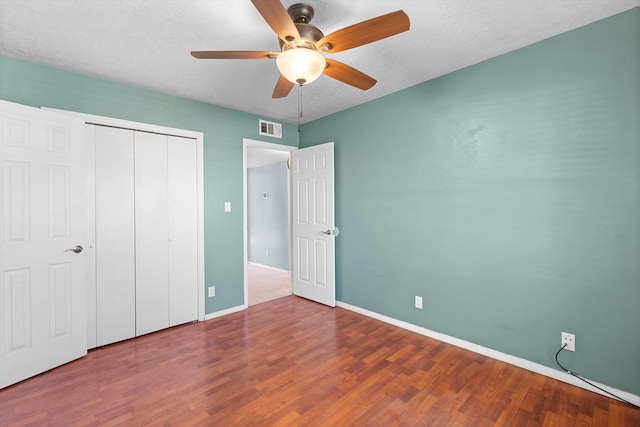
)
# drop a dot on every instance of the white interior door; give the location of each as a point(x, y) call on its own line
point(146, 228)
point(42, 201)
point(314, 224)
point(183, 230)
point(152, 233)
point(115, 241)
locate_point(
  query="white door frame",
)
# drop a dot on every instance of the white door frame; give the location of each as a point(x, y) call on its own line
point(246, 143)
point(146, 127)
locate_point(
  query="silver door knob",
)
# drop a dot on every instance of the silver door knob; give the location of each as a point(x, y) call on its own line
point(335, 232)
point(75, 249)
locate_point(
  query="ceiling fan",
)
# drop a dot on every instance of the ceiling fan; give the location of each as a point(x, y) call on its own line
point(303, 46)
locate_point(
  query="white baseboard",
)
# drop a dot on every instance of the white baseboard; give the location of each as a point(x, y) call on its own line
point(269, 267)
point(225, 312)
point(494, 354)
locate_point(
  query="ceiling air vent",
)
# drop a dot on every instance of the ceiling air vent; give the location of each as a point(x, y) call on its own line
point(270, 129)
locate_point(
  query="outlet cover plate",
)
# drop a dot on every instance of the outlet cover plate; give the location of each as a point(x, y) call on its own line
point(419, 302)
point(212, 291)
point(569, 340)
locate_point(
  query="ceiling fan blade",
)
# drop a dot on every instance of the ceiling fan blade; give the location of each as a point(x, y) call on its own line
point(232, 54)
point(348, 75)
point(366, 32)
point(278, 19)
point(282, 89)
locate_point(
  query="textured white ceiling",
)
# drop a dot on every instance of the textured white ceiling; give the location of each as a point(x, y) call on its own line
point(147, 43)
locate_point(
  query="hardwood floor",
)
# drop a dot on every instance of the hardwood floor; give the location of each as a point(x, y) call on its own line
point(294, 362)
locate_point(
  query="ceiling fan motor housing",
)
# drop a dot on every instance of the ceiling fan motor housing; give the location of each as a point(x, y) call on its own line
point(302, 14)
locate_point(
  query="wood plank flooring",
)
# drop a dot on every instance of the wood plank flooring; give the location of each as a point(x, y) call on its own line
point(292, 362)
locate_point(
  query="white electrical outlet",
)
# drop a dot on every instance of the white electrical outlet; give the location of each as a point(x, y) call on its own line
point(212, 291)
point(267, 254)
point(569, 340)
point(419, 302)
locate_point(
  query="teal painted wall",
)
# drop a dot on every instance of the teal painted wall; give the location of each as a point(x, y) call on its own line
point(38, 85)
point(507, 194)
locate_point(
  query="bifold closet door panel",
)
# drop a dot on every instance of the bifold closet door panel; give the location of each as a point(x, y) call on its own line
point(183, 231)
point(152, 235)
point(115, 240)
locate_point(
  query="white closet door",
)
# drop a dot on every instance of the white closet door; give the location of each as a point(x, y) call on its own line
point(152, 236)
point(115, 240)
point(183, 231)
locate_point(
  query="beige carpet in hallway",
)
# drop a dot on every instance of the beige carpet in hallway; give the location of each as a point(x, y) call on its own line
point(266, 284)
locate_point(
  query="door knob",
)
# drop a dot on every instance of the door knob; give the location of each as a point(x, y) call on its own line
point(335, 232)
point(75, 249)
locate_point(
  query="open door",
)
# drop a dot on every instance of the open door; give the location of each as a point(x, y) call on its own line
point(43, 229)
point(313, 220)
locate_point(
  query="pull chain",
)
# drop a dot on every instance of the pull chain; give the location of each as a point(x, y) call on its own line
point(299, 106)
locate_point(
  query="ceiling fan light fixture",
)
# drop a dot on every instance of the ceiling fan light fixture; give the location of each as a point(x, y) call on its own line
point(301, 65)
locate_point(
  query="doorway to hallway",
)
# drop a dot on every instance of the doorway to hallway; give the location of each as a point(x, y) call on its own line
point(267, 222)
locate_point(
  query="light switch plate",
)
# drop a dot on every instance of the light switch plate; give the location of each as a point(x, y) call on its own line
point(227, 206)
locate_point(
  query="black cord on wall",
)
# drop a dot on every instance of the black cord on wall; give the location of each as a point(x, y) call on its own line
point(591, 384)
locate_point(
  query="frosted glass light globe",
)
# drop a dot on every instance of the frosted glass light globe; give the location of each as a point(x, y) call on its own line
point(301, 65)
